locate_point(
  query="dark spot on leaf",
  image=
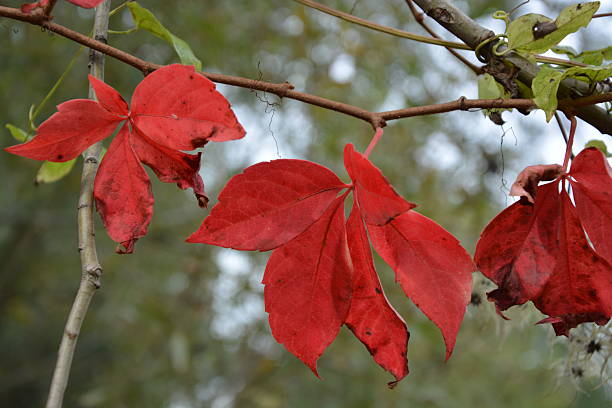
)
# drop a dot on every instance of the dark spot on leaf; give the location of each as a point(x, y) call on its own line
point(190, 76)
point(378, 290)
point(578, 6)
point(475, 299)
point(60, 157)
point(593, 293)
point(369, 333)
point(543, 28)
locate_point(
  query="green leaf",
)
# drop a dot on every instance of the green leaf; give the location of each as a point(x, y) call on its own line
point(590, 57)
point(523, 31)
point(18, 134)
point(544, 87)
point(51, 172)
point(589, 74)
point(146, 20)
point(489, 88)
point(600, 145)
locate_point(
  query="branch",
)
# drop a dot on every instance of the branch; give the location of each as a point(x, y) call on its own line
point(421, 20)
point(474, 34)
point(49, 8)
point(91, 271)
point(285, 90)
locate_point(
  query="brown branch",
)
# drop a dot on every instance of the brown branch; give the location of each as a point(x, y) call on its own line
point(285, 90)
point(602, 15)
point(419, 17)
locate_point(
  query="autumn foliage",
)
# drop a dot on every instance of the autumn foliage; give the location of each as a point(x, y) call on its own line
point(321, 273)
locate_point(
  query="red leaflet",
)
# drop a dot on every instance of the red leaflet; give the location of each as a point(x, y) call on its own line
point(527, 181)
point(371, 318)
point(29, 7)
point(580, 287)
point(78, 124)
point(517, 249)
point(123, 193)
point(431, 266)
point(269, 204)
point(122, 189)
point(185, 114)
point(292, 205)
point(541, 253)
point(592, 183)
point(308, 287)
point(378, 201)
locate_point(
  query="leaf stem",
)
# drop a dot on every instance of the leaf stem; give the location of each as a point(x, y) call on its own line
point(570, 142)
point(91, 271)
point(375, 139)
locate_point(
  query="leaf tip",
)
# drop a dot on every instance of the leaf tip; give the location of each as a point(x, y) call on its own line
point(126, 247)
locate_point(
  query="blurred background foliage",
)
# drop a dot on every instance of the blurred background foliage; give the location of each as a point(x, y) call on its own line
point(180, 325)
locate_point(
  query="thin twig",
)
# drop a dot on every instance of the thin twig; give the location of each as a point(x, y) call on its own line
point(602, 15)
point(91, 271)
point(389, 30)
point(419, 17)
point(285, 90)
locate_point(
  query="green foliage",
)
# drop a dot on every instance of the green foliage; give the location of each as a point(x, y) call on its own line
point(592, 57)
point(544, 87)
point(600, 145)
point(51, 172)
point(535, 33)
point(18, 134)
point(146, 20)
point(546, 83)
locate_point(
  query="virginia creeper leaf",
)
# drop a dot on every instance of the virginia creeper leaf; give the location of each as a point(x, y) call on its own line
point(51, 172)
point(269, 204)
point(122, 191)
point(593, 195)
point(598, 144)
point(29, 7)
point(526, 182)
point(371, 318)
point(431, 266)
point(580, 286)
point(78, 124)
point(182, 110)
point(308, 287)
point(517, 250)
point(146, 20)
point(378, 201)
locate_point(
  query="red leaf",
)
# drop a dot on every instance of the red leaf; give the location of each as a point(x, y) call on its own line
point(527, 181)
point(371, 318)
point(81, 123)
point(308, 287)
point(593, 196)
point(431, 266)
point(110, 99)
point(268, 205)
point(517, 250)
point(172, 166)
point(123, 193)
point(378, 201)
point(180, 109)
point(86, 3)
point(580, 287)
point(78, 124)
